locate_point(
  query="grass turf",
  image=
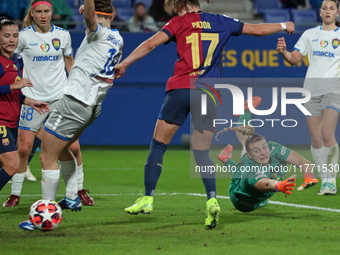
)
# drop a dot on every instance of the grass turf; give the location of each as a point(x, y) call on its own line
point(115, 178)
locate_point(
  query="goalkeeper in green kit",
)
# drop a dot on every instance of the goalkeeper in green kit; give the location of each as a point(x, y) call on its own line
point(259, 173)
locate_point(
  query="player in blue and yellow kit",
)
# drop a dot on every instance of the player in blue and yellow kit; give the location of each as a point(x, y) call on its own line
point(10, 97)
point(200, 39)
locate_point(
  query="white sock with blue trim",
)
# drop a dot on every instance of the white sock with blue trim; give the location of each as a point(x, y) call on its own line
point(49, 183)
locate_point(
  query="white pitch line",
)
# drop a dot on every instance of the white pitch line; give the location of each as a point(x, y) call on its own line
point(202, 195)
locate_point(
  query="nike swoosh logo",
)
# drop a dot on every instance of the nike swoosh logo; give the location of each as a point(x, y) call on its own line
point(8, 66)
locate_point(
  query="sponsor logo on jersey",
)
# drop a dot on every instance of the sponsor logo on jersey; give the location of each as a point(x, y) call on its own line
point(45, 58)
point(56, 43)
point(45, 47)
point(5, 142)
point(33, 44)
point(323, 54)
point(283, 150)
point(315, 40)
point(335, 43)
point(323, 44)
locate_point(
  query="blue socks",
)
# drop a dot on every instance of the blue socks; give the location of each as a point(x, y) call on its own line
point(4, 178)
point(203, 159)
point(153, 166)
point(153, 169)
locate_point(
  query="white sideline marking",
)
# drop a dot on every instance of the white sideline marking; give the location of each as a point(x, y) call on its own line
point(202, 195)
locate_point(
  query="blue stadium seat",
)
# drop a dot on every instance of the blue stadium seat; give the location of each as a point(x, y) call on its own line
point(304, 17)
point(122, 3)
point(276, 16)
point(77, 17)
point(125, 13)
point(261, 5)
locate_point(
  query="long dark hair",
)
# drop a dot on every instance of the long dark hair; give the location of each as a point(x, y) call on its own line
point(103, 6)
point(337, 22)
point(136, 18)
point(4, 21)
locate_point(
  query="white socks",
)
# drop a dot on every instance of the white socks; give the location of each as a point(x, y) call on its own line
point(17, 181)
point(326, 162)
point(333, 161)
point(68, 170)
point(320, 158)
point(80, 176)
point(49, 183)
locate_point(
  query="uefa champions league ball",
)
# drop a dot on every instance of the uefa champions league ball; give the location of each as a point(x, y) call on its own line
point(45, 214)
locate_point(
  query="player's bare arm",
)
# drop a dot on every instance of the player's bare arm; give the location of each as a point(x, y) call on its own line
point(40, 107)
point(24, 82)
point(141, 51)
point(296, 159)
point(291, 57)
point(266, 184)
point(268, 28)
point(88, 11)
point(69, 61)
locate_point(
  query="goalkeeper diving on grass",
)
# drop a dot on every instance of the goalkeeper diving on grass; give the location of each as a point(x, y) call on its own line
point(259, 174)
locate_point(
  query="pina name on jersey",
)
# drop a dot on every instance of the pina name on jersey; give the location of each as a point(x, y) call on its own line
point(45, 58)
point(201, 24)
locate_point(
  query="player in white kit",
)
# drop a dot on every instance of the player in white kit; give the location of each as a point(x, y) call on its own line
point(46, 51)
point(89, 81)
point(323, 81)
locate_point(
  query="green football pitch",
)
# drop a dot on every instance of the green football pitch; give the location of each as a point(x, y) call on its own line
point(302, 223)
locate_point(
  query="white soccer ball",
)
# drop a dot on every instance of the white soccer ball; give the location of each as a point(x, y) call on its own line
point(45, 214)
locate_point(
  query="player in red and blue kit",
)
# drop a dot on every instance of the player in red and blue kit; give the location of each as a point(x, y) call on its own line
point(200, 39)
point(10, 97)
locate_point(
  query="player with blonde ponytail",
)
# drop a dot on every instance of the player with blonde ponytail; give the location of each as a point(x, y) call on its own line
point(260, 171)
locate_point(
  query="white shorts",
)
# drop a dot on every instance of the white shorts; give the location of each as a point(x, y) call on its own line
point(70, 118)
point(317, 104)
point(31, 119)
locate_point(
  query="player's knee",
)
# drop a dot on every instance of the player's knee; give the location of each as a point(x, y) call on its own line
point(329, 141)
point(317, 142)
point(24, 150)
point(11, 167)
point(328, 138)
point(75, 148)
